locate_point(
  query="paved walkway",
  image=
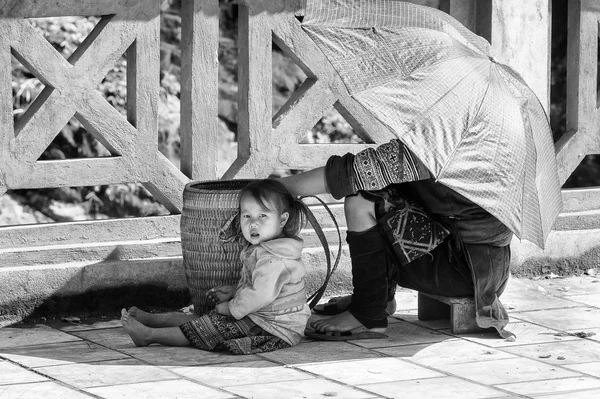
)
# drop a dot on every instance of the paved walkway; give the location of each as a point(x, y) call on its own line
point(418, 360)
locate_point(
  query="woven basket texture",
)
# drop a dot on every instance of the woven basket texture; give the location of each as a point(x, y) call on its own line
point(208, 261)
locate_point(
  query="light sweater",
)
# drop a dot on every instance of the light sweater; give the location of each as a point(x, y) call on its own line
point(271, 290)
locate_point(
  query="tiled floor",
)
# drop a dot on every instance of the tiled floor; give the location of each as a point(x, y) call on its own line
point(417, 360)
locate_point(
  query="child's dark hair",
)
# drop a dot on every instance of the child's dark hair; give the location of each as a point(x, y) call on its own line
point(269, 193)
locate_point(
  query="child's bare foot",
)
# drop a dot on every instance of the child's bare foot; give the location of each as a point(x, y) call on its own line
point(146, 318)
point(140, 315)
point(139, 333)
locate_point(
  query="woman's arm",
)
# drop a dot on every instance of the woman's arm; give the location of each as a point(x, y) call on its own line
point(311, 182)
point(370, 169)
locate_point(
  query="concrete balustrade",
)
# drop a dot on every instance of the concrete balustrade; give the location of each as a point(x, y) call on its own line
point(39, 262)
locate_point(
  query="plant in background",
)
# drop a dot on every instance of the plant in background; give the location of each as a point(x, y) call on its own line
point(125, 200)
point(74, 141)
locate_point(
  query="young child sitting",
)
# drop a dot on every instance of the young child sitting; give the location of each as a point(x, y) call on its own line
point(267, 309)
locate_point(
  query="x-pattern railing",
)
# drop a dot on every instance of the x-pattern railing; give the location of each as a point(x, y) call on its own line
point(273, 143)
point(265, 143)
point(131, 28)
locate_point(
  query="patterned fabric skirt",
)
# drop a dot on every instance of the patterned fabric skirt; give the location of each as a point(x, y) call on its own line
point(215, 332)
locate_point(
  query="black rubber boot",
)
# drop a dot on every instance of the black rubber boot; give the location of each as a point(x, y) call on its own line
point(369, 277)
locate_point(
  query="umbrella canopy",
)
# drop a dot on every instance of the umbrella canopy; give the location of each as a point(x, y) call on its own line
point(472, 121)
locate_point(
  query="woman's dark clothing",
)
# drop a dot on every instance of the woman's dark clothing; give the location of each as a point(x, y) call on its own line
point(437, 241)
point(369, 254)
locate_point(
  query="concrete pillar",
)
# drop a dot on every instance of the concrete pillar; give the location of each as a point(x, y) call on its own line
point(521, 38)
point(473, 14)
point(520, 34)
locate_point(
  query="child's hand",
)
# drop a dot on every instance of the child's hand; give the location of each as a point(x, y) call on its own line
point(221, 294)
point(223, 308)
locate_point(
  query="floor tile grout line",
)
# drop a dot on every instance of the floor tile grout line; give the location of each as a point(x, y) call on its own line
point(50, 378)
point(512, 314)
point(222, 389)
point(542, 395)
point(322, 377)
point(576, 305)
point(554, 329)
point(551, 379)
point(196, 382)
point(30, 345)
point(82, 340)
point(512, 356)
point(130, 356)
point(503, 350)
point(524, 343)
point(560, 366)
point(144, 363)
point(9, 384)
point(379, 355)
point(295, 367)
point(585, 374)
point(448, 374)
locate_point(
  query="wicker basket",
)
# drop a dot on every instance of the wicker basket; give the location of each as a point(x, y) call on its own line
point(209, 261)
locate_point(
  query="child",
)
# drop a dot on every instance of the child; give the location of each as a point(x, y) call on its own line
point(267, 310)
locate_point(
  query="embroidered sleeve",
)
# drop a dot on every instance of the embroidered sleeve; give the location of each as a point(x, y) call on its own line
point(373, 169)
point(390, 163)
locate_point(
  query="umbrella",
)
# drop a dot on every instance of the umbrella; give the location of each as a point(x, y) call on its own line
point(472, 121)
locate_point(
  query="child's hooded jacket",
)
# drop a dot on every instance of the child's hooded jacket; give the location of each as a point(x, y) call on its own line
point(271, 290)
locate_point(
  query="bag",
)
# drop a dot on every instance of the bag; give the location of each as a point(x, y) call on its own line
point(411, 231)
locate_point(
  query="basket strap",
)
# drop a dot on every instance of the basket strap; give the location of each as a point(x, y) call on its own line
point(231, 230)
point(315, 297)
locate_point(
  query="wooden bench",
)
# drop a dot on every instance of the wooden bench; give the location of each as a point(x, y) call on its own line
point(460, 311)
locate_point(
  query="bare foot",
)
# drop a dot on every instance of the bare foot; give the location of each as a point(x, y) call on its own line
point(139, 333)
point(146, 318)
point(342, 322)
point(342, 302)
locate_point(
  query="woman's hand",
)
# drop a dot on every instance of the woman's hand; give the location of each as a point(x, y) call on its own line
point(223, 308)
point(221, 293)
